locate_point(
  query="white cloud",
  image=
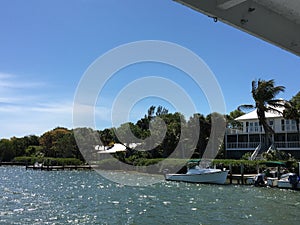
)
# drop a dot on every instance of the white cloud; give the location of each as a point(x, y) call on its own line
point(15, 82)
point(36, 108)
point(21, 120)
point(25, 107)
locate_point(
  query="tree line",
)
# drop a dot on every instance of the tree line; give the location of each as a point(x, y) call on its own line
point(61, 142)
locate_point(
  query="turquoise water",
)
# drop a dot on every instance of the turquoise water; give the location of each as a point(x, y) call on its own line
point(84, 197)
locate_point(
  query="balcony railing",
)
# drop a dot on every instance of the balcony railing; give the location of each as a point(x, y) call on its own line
point(291, 144)
point(259, 129)
point(250, 129)
point(242, 145)
point(253, 145)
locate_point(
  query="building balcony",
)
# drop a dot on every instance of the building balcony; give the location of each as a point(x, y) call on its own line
point(242, 145)
point(290, 145)
point(287, 145)
point(260, 130)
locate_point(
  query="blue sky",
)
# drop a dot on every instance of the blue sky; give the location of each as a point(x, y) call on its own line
point(46, 46)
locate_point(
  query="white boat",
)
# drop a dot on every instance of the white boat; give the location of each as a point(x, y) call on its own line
point(289, 180)
point(270, 176)
point(196, 174)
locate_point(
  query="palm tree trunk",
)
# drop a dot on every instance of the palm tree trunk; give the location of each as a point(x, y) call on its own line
point(267, 141)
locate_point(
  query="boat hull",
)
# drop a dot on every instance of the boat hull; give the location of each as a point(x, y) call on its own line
point(211, 178)
point(287, 184)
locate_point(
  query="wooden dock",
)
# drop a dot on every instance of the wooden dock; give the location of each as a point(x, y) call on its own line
point(239, 178)
point(67, 167)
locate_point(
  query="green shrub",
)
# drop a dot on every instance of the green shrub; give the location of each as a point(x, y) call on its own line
point(27, 159)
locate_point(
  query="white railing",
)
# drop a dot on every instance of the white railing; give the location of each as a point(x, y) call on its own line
point(255, 129)
point(290, 144)
point(255, 153)
point(233, 131)
point(247, 130)
point(260, 129)
point(253, 145)
point(242, 145)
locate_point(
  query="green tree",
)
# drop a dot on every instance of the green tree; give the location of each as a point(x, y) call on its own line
point(6, 150)
point(231, 122)
point(292, 109)
point(50, 141)
point(107, 136)
point(174, 123)
point(201, 137)
point(19, 145)
point(264, 94)
point(86, 140)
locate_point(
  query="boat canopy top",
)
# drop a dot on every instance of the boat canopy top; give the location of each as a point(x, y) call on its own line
point(273, 163)
point(194, 160)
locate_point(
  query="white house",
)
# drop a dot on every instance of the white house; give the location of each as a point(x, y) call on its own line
point(249, 136)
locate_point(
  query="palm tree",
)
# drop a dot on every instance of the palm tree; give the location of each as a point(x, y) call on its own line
point(292, 110)
point(291, 113)
point(264, 93)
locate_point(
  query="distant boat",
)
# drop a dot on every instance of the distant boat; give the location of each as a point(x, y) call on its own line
point(196, 174)
point(272, 177)
point(117, 147)
point(37, 165)
point(289, 180)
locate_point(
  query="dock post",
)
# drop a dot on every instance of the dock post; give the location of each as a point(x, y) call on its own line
point(230, 173)
point(242, 173)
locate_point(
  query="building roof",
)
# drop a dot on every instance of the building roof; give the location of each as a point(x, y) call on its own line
point(253, 115)
point(275, 21)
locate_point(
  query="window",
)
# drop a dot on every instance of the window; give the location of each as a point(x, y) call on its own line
point(282, 125)
point(288, 126)
point(256, 127)
point(293, 125)
point(251, 127)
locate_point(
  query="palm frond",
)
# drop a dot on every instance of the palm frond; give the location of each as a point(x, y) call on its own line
point(277, 103)
point(274, 110)
point(245, 107)
point(276, 90)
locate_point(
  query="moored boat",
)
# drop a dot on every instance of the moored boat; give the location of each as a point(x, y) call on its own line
point(276, 176)
point(196, 174)
point(289, 180)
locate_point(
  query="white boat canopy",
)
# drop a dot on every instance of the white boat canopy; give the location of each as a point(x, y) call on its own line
point(112, 149)
point(275, 21)
point(117, 147)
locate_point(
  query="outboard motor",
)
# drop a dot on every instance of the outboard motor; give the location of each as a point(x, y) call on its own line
point(293, 179)
point(259, 180)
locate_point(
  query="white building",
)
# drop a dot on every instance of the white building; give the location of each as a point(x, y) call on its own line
point(251, 134)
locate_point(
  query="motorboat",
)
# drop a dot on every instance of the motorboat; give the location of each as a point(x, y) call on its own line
point(289, 180)
point(270, 176)
point(196, 174)
point(37, 166)
point(276, 176)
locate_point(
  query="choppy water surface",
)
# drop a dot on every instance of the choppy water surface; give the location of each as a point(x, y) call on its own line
point(84, 197)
